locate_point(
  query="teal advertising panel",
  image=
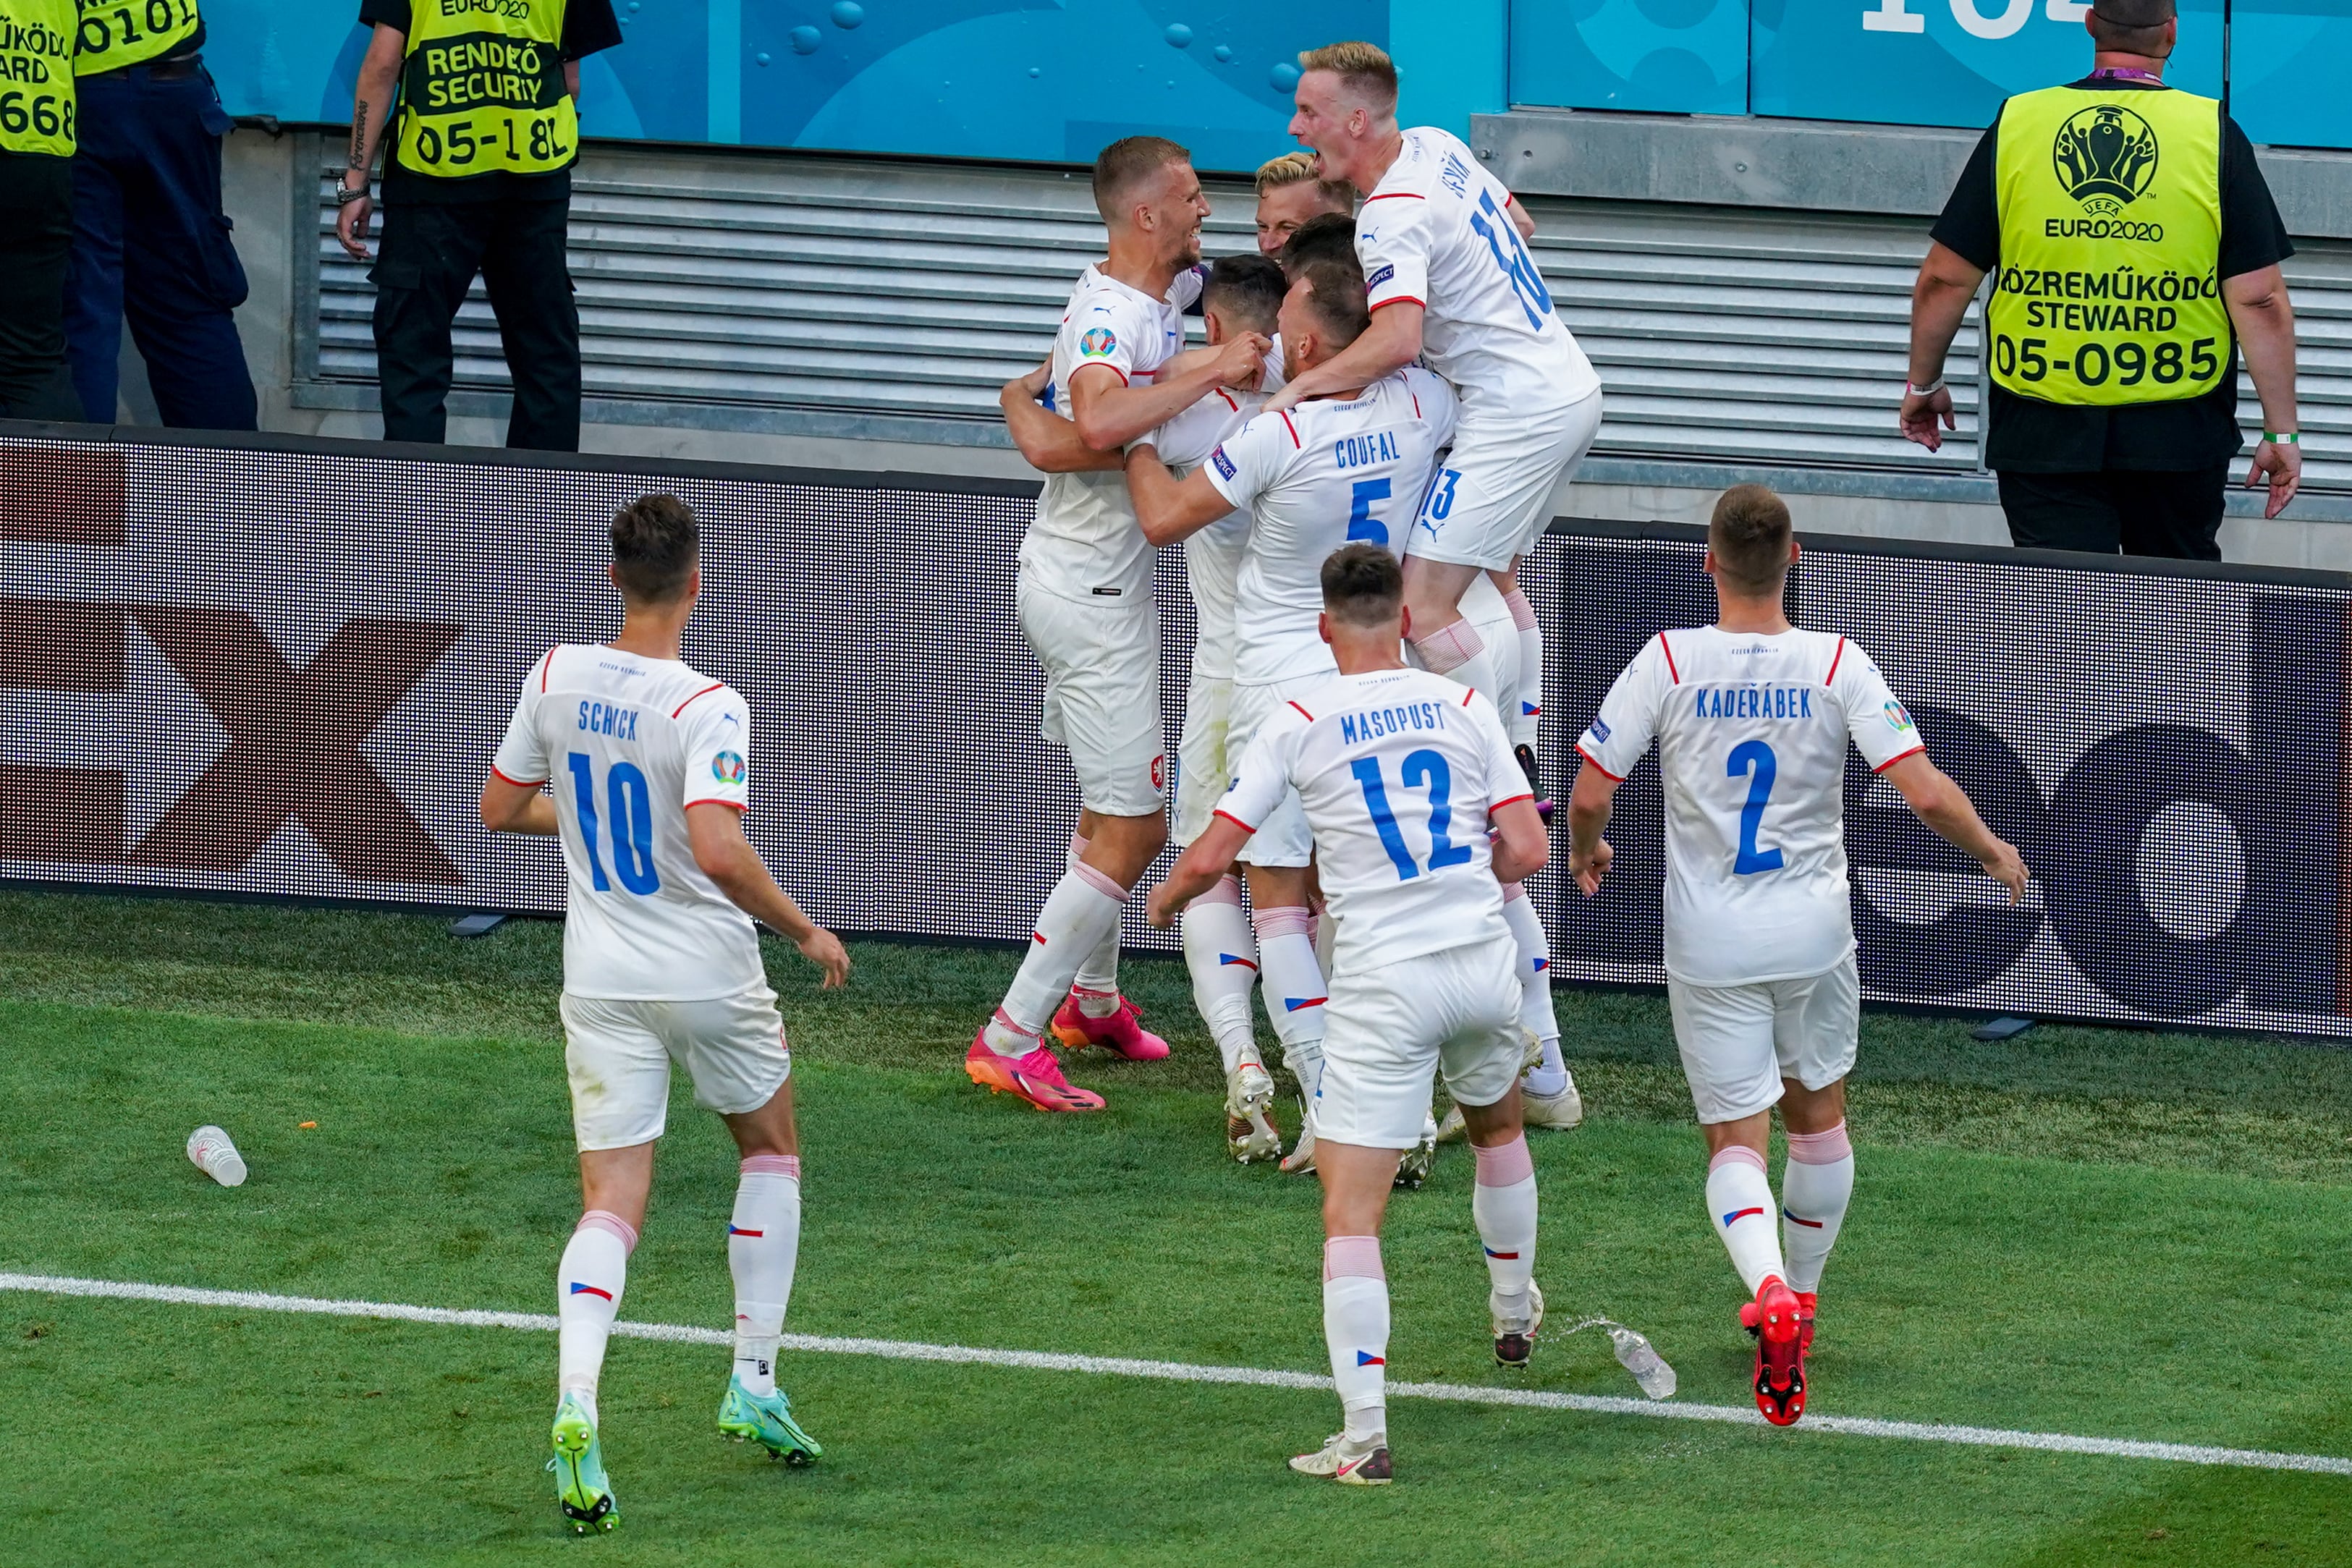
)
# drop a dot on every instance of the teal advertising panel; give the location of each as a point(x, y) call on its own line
point(1045, 81)
point(2280, 51)
point(1942, 62)
point(1686, 57)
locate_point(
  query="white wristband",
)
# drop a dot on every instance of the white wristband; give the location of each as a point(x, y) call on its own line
point(1930, 390)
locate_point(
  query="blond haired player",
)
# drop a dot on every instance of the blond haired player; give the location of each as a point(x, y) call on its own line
point(1289, 192)
point(1084, 600)
point(1442, 243)
point(1243, 293)
point(1400, 774)
point(1752, 717)
point(645, 764)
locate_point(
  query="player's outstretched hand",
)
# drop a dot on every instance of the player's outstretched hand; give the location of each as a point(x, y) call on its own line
point(2007, 867)
point(1920, 415)
point(1241, 360)
point(1160, 912)
point(823, 949)
point(1588, 870)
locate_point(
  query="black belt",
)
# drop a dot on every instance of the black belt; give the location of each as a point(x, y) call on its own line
point(179, 68)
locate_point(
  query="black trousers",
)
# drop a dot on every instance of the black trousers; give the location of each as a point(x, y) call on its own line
point(35, 240)
point(2126, 511)
point(431, 252)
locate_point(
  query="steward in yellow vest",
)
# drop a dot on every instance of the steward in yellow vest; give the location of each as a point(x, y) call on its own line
point(480, 98)
point(37, 114)
point(2133, 248)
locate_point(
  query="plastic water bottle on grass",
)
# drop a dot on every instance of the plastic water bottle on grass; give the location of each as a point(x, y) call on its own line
point(213, 1154)
point(1649, 1369)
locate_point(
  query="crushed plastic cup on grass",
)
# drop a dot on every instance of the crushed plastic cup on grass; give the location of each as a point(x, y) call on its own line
point(1636, 1355)
point(212, 1153)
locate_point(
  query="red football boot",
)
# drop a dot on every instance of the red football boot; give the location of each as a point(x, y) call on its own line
point(1121, 1031)
point(1773, 1318)
point(1805, 1300)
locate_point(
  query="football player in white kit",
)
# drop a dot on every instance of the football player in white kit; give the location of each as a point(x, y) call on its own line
point(1289, 192)
point(1336, 469)
point(1401, 774)
point(1442, 243)
point(1241, 295)
point(1084, 599)
point(1752, 716)
point(646, 763)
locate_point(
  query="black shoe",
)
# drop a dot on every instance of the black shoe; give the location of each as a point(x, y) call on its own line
point(1527, 755)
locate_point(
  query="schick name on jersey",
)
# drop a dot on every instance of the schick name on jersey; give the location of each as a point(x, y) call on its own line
point(1754, 702)
point(1381, 721)
point(603, 718)
point(1364, 451)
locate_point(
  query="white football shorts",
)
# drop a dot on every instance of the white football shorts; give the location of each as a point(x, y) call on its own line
point(1283, 839)
point(1102, 697)
point(618, 1053)
point(1737, 1043)
point(1204, 762)
point(1385, 1032)
point(1492, 497)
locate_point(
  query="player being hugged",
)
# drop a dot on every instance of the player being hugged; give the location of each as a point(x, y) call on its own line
point(647, 761)
point(1401, 774)
point(1336, 469)
point(1442, 247)
point(1752, 716)
point(1084, 599)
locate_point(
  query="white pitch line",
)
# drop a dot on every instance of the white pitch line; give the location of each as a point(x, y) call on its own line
point(1183, 1372)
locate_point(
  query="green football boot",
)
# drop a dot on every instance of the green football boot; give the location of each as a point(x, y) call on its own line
point(766, 1419)
point(581, 1490)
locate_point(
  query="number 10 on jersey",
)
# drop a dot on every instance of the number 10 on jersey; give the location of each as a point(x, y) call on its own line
point(632, 805)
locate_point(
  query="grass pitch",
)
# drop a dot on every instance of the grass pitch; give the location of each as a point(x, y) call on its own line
point(2101, 1233)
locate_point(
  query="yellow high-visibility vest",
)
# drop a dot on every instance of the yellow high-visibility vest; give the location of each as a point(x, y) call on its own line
point(2110, 207)
point(482, 89)
point(118, 33)
point(36, 77)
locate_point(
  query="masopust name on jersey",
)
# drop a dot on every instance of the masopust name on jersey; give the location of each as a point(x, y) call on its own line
point(1398, 772)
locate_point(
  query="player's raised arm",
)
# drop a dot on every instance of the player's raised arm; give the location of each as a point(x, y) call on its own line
point(1391, 343)
point(1047, 442)
point(715, 831)
point(1196, 870)
point(1168, 508)
point(1944, 806)
point(1109, 412)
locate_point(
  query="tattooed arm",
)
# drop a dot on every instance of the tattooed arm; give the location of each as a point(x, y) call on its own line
point(370, 106)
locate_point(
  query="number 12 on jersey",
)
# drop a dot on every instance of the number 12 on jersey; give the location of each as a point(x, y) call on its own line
point(632, 805)
point(1423, 767)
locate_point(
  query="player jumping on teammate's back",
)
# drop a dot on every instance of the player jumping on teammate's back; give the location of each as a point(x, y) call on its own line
point(1310, 479)
point(649, 764)
point(1084, 600)
point(1442, 247)
point(1241, 295)
point(1752, 716)
point(1400, 774)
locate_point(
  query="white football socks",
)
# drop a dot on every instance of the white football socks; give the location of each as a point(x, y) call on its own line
point(1525, 721)
point(1083, 907)
point(1294, 990)
point(1220, 952)
point(1356, 1331)
point(1536, 1015)
point(1456, 652)
point(763, 1247)
point(1097, 981)
point(1740, 1202)
point(1816, 1185)
point(588, 1284)
point(1503, 1207)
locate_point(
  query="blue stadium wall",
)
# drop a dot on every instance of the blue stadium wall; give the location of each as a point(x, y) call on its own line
point(1051, 80)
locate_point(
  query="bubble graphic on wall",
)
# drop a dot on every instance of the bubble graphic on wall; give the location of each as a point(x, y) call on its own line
point(761, 56)
point(1224, 54)
point(805, 40)
point(1284, 76)
point(1179, 36)
point(847, 14)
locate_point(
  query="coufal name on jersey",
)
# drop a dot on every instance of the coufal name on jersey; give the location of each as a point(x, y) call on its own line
point(1381, 721)
point(605, 719)
point(1364, 451)
point(1754, 702)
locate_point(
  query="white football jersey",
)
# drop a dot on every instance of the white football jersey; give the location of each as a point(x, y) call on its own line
point(1398, 772)
point(626, 743)
point(1084, 543)
point(1434, 232)
point(1314, 477)
point(1212, 557)
point(1751, 733)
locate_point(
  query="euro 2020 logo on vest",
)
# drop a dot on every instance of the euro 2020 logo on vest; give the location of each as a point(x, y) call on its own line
point(2106, 157)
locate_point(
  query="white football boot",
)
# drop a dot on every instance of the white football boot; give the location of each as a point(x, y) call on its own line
point(1250, 1134)
point(1559, 1112)
point(1412, 1168)
point(1515, 1337)
point(1364, 1464)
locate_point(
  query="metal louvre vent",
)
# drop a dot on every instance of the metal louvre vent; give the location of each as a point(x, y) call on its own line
point(906, 289)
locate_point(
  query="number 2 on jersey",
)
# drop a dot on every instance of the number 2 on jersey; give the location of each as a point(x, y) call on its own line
point(1419, 767)
point(632, 805)
point(1756, 756)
